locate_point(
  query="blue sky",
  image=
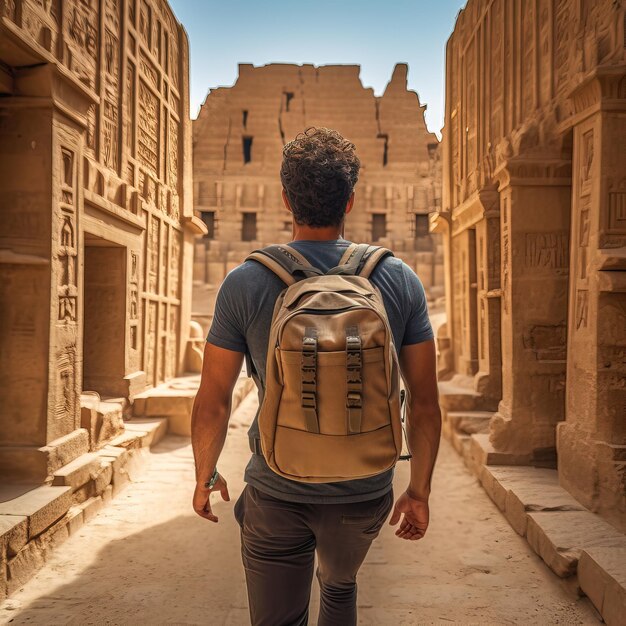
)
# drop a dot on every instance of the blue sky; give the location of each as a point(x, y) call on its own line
point(375, 35)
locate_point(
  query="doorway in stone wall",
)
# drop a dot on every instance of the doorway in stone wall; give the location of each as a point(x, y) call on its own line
point(104, 328)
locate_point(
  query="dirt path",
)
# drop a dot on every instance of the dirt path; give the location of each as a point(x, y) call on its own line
point(148, 559)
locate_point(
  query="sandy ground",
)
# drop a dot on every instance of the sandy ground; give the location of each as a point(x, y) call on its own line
point(148, 559)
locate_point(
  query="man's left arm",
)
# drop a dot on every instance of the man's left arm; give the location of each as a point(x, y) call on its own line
point(209, 421)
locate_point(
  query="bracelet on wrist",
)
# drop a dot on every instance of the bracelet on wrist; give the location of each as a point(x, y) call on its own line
point(211, 482)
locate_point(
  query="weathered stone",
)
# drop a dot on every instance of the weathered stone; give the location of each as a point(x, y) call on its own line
point(103, 477)
point(103, 420)
point(470, 422)
point(78, 472)
point(92, 507)
point(154, 428)
point(13, 534)
point(24, 565)
point(559, 537)
point(41, 505)
point(602, 577)
point(74, 519)
point(129, 439)
point(484, 453)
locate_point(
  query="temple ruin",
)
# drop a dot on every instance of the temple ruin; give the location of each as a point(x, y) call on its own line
point(533, 218)
point(237, 149)
point(97, 221)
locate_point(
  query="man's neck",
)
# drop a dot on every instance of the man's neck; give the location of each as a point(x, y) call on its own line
point(308, 233)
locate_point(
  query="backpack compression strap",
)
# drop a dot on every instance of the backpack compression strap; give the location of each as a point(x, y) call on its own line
point(284, 261)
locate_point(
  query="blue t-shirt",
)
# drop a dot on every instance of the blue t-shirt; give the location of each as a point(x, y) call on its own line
point(243, 315)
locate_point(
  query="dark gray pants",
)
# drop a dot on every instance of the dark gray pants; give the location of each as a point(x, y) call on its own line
point(278, 544)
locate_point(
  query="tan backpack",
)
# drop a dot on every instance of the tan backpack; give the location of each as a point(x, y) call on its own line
point(331, 407)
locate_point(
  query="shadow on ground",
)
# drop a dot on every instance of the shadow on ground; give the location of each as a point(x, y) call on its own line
point(169, 573)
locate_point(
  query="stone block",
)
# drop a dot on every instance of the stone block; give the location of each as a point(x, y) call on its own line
point(41, 505)
point(483, 453)
point(62, 451)
point(559, 537)
point(74, 519)
point(23, 565)
point(107, 494)
point(103, 477)
point(91, 508)
point(129, 440)
point(470, 422)
point(154, 428)
point(13, 534)
point(531, 489)
point(78, 472)
point(602, 577)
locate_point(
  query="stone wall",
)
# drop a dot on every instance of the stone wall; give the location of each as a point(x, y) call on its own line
point(97, 220)
point(238, 140)
point(533, 222)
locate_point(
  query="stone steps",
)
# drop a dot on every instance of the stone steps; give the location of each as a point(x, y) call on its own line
point(35, 519)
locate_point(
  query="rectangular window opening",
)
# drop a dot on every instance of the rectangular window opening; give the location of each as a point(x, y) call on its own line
point(248, 227)
point(247, 149)
point(245, 118)
point(379, 226)
point(208, 217)
point(421, 224)
point(289, 95)
point(385, 138)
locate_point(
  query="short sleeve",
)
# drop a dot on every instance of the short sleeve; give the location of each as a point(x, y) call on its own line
point(417, 328)
point(228, 328)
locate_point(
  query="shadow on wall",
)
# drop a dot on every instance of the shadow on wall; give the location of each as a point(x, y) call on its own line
point(182, 571)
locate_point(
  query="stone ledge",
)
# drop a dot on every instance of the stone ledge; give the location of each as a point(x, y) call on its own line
point(41, 505)
point(559, 538)
point(77, 472)
point(602, 578)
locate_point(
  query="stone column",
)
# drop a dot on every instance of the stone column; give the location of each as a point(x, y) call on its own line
point(41, 145)
point(489, 377)
point(592, 440)
point(534, 234)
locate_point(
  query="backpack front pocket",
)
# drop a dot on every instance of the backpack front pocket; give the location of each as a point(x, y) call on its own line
point(331, 391)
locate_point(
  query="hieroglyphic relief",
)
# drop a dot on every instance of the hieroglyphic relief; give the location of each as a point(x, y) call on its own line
point(81, 40)
point(547, 250)
point(148, 128)
point(67, 250)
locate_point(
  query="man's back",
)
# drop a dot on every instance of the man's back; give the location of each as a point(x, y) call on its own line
point(242, 322)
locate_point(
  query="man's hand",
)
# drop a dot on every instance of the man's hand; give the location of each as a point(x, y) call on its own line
point(415, 520)
point(201, 498)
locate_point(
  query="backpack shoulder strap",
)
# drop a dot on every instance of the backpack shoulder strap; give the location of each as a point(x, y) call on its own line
point(351, 260)
point(288, 264)
point(373, 258)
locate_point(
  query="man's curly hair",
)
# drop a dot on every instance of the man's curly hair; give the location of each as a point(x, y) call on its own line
point(319, 171)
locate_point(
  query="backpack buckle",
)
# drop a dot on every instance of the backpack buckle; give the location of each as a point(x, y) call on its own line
point(353, 400)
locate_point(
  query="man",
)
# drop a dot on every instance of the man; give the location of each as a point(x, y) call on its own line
point(284, 522)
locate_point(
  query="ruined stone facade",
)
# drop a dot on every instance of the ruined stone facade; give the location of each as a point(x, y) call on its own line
point(534, 222)
point(97, 230)
point(238, 140)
